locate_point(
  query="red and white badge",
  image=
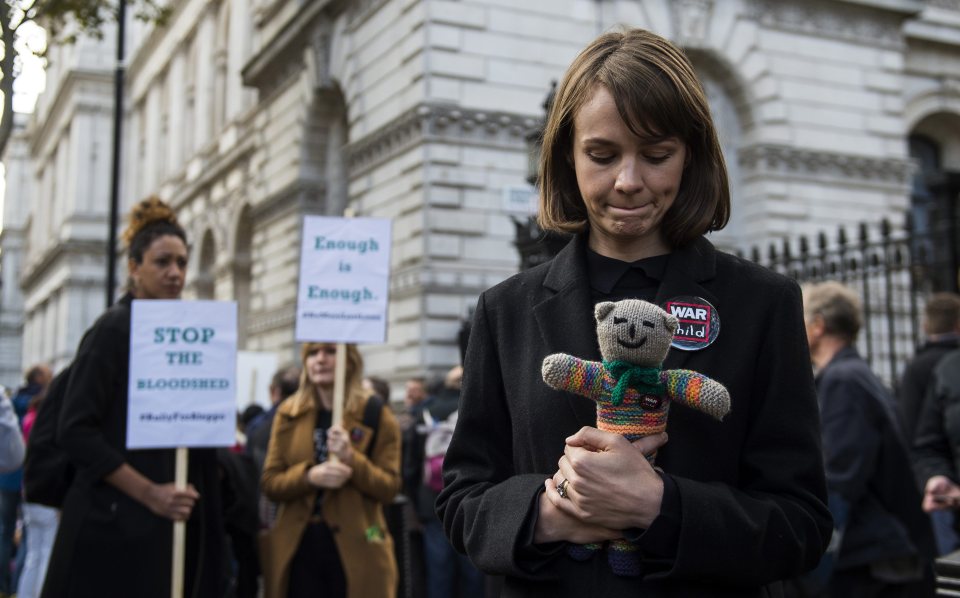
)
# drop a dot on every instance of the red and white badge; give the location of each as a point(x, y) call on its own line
point(698, 322)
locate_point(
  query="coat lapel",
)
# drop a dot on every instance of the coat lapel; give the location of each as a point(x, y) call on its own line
point(565, 317)
point(686, 269)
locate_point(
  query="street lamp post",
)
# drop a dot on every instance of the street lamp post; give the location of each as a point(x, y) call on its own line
point(117, 134)
point(534, 245)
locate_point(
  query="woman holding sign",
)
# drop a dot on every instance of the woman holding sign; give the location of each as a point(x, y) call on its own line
point(331, 538)
point(632, 166)
point(115, 536)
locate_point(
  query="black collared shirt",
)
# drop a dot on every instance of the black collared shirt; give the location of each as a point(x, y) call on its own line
point(612, 279)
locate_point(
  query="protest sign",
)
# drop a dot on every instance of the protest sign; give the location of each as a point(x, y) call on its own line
point(183, 359)
point(344, 278)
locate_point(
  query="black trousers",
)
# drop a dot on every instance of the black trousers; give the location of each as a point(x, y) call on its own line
point(316, 569)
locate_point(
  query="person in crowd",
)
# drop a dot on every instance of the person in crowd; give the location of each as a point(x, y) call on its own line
point(379, 387)
point(39, 522)
point(941, 327)
point(11, 484)
point(250, 414)
point(632, 166)
point(116, 527)
point(448, 574)
point(937, 443)
point(11, 439)
point(332, 482)
point(416, 392)
point(883, 542)
point(284, 383)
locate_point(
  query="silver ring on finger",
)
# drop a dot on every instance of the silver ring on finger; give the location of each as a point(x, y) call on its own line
point(562, 489)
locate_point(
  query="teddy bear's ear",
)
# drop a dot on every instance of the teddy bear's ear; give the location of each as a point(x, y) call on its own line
point(670, 322)
point(602, 310)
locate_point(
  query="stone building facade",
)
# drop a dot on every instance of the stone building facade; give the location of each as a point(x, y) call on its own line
point(249, 114)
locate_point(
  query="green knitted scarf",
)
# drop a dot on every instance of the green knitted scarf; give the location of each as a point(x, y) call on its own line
point(643, 380)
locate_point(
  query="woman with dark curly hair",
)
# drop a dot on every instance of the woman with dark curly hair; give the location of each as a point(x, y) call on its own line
point(116, 529)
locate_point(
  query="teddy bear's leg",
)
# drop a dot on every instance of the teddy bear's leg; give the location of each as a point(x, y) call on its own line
point(582, 552)
point(624, 558)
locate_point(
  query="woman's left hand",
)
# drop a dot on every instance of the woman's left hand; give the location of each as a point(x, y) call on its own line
point(609, 481)
point(338, 443)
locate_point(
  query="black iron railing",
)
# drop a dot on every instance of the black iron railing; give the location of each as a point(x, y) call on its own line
point(893, 270)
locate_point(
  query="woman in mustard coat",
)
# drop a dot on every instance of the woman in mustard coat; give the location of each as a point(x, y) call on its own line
point(330, 536)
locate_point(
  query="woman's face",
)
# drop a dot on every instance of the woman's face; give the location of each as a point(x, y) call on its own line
point(627, 182)
point(320, 364)
point(162, 272)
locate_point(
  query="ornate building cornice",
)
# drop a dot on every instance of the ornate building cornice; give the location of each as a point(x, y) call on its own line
point(868, 25)
point(438, 122)
point(945, 4)
point(361, 10)
point(282, 57)
point(70, 98)
point(299, 197)
point(278, 317)
point(765, 159)
point(71, 251)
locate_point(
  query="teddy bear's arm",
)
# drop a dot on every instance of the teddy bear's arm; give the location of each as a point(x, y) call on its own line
point(698, 391)
point(566, 372)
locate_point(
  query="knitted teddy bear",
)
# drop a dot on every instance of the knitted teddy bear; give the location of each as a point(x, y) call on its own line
point(632, 392)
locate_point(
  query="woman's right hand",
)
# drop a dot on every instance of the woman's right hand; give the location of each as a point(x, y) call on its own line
point(166, 500)
point(553, 525)
point(329, 474)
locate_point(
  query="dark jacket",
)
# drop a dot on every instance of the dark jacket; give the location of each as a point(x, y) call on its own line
point(915, 380)
point(107, 543)
point(937, 446)
point(751, 489)
point(868, 467)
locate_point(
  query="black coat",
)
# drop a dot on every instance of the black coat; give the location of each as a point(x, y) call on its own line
point(751, 489)
point(937, 447)
point(868, 466)
point(916, 379)
point(108, 544)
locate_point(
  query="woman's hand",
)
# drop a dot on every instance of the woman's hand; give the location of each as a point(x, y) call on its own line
point(338, 443)
point(609, 482)
point(329, 474)
point(553, 525)
point(940, 493)
point(165, 500)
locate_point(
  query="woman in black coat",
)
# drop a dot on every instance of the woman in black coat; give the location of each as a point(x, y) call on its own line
point(116, 534)
point(632, 165)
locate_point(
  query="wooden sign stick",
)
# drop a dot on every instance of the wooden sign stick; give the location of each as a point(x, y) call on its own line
point(339, 384)
point(179, 528)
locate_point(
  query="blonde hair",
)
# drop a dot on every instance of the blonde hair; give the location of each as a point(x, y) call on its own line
point(658, 95)
point(354, 391)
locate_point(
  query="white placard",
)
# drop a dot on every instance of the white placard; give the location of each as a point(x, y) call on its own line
point(344, 277)
point(183, 362)
point(255, 371)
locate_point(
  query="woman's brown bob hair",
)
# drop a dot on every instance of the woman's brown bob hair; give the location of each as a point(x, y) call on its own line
point(658, 96)
point(354, 383)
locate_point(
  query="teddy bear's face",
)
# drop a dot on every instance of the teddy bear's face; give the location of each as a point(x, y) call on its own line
point(635, 331)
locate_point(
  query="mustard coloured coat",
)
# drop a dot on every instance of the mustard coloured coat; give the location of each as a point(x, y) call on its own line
point(353, 512)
